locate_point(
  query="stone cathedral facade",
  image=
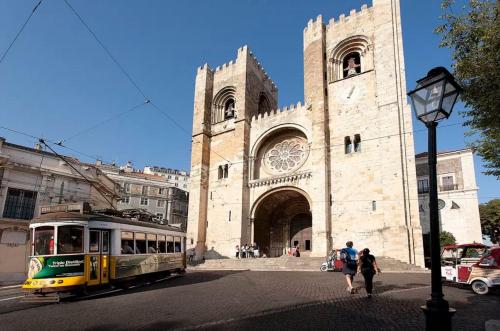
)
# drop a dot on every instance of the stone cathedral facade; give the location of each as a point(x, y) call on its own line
point(339, 166)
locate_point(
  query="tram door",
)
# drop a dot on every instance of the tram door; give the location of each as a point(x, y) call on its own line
point(98, 257)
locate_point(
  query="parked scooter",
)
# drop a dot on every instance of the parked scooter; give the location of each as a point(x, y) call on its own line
point(333, 263)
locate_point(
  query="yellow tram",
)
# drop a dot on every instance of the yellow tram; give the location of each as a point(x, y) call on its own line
point(73, 248)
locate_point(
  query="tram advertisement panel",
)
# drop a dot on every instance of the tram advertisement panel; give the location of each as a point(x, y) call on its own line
point(56, 266)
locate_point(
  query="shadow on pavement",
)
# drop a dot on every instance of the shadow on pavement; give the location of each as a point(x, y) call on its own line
point(360, 313)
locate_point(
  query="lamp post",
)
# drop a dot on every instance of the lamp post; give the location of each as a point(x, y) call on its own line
point(433, 100)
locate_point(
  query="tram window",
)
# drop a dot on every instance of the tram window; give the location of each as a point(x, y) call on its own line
point(94, 241)
point(44, 240)
point(170, 244)
point(152, 247)
point(177, 244)
point(162, 245)
point(105, 242)
point(69, 239)
point(127, 242)
point(140, 243)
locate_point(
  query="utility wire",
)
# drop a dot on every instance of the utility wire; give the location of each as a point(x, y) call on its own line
point(104, 121)
point(20, 31)
point(88, 180)
point(59, 143)
point(129, 77)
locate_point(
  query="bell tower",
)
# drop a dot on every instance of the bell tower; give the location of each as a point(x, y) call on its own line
point(225, 101)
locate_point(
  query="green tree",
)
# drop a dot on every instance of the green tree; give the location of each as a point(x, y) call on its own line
point(473, 34)
point(490, 219)
point(447, 238)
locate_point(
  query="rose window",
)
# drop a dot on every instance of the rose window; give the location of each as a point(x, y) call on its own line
point(286, 155)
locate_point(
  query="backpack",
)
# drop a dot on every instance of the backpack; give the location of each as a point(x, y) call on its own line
point(346, 258)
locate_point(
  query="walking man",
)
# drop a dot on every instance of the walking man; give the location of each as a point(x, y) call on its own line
point(349, 257)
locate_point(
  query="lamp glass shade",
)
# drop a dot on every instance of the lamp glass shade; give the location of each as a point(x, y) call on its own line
point(435, 95)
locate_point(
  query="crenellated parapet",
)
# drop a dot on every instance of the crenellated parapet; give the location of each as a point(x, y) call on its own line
point(282, 112)
point(353, 15)
point(260, 70)
point(203, 68)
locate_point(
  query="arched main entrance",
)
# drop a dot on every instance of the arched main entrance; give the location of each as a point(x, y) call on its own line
point(282, 220)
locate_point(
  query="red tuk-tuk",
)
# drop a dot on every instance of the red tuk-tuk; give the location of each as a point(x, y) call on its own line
point(471, 264)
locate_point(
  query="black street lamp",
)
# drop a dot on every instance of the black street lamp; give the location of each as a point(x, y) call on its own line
point(433, 100)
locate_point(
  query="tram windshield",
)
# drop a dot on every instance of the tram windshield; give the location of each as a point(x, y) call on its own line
point(44, 240)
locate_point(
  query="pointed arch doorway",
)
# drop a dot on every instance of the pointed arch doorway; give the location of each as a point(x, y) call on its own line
point(282, 219)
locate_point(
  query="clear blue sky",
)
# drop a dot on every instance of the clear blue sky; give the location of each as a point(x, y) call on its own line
point(56, 80)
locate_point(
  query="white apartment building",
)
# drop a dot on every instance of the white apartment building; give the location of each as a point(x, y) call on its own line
point(153, 193)
point(178, 178)
point(457, 193)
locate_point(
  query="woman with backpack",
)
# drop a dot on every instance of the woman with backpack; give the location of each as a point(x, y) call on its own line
point(367, 266)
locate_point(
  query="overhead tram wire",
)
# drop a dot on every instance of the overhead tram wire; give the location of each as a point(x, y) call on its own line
point(72, 167)
point(20, 31)
point(129, 77)
point(104, 121)
point(92, 157)
point(232, 163)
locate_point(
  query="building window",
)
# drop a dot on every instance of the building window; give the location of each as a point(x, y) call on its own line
point(144, 201)
point(185, 186)
point(229, 217)
point(347, 145)
point(423, 186)
point(125, 200)
point(421, 208)
point(357, 143)
point(229, 109)
point(226, 171)
point(351, 64)
point(127, 187)
point(161, 191)
point(447, 183)
point(374, 205)
point(176, 184)
point(160, 203)
point(145, 190)
point(19, 204)
point(159, 216)
point(176, 177)
point(169, 177)
point(220, 173)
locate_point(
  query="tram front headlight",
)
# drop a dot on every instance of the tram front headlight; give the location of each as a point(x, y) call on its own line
point(52, 282)
point(60, 281)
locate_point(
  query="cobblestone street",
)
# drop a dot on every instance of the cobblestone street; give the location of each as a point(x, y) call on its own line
point(255, 300)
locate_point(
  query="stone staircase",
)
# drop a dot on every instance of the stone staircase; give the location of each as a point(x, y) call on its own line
point(289, 263)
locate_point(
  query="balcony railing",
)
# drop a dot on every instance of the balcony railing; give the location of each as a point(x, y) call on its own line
point(449, 187)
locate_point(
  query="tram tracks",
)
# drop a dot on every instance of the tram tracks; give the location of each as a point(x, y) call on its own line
point(11, 298)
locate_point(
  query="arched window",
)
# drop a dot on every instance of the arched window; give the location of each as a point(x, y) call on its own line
point(357, 143)
point(347, 145)
point(264, 104)
point(229, 109)
point(350, 57)
point(224, 105)
point(351, 64)
point(226, 171)
point(220, 173)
